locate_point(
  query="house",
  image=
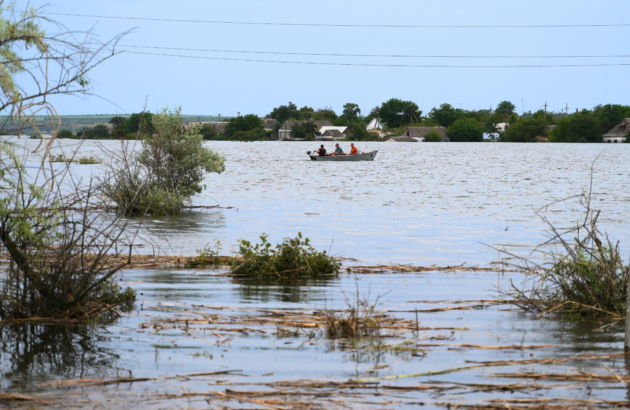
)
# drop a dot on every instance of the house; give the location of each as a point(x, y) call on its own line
point(268, 123)
point(619, 133)
point(374, 125)
point(342, 130)
point(331, 135)
point(401, 139)
point(219, 127)
point(284, 133)
point(420, 132)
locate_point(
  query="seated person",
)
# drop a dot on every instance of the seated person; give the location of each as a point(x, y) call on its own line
point(338, 150)
point(321, 151)
point(354, 150)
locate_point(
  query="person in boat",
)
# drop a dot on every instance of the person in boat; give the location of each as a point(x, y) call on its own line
point(354, 150)
point(338, 150)
point(321, 151)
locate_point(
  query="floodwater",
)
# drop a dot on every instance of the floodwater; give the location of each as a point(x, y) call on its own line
point(418, 204)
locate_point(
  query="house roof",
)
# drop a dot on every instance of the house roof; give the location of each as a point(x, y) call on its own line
point(620, 130)
point(402, 139)
point(421, 132)
point(374, 125)
point(332, 127)
point(268, 123)
point(332, 133)
point(288, 125)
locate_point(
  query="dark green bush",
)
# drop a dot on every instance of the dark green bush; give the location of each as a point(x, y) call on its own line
point(433, 136)
point(293, 257)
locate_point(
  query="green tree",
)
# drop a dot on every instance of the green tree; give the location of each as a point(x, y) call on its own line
point(117, 123)
point(65, 133)
point(542, 115)
point(137, 121)
point(246, 123)
point(359, 133)
point(306, 129)
point(284, 113)
point(446, 115)
point(208, 132)
point(580, 127)
point(97, 132)
point(325, 114)
point(395, 113)
point(505, 107)
point(627, 139)
point(351, 111)
point(433, 136)
point(465, 130)
point(525, 130)
point(306, 112)
point(610, 115)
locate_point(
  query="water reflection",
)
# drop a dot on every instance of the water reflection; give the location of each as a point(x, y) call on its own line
point(32, 353)
point(287, 290)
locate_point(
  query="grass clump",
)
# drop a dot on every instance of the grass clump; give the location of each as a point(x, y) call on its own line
point(206, 256)
point(358, 321)
point(88, 160)
point(582, 273)
point(60, 158)
point(293, 257)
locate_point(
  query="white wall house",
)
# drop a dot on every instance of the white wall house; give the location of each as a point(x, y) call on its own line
point(374, 125)
point(619, 133)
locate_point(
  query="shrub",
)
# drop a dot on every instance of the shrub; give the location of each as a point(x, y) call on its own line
point(433, 136)
point(61, 263)
point(293, 257)
point(88, 160)
point(525, 130)
point(166, 173)
point(208, 132)
point(59, 158)
point(579, 127)
point(305, 129)
point(65, 133)
point(465, 130)
point(585, 278)
point(206, 256)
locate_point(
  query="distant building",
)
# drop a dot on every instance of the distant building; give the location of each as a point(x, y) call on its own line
point(219, 127)
point(331, 135)
point(619, 133)
point(374, 125)
point(420, 132)
point(268, 123)
point(285, 131)
point(402, 139)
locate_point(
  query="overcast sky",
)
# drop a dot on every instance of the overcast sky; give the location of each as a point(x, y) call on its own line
point(210, 87)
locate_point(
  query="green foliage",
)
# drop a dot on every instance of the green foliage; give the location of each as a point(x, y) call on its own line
point(325, 114)
point(580, 127)
point(307, 112)
point(65, 134)
point(359, 133)
point(433, 136)
point(505, 107)
point(307, 130)
point(170, 168)
point(206, 256)
point(284, 113)
point(351, 111)
point(627, 139)
point(610, 115)
point(208, 132)
point(526, 130)
point(245, 124)
point(137, 122)
point(547, 117)
point(446, 115)
point(395, 112)
point(117, 122)
point(292, 258)
point(59, 158)
point(99, 131)
point(88, 160)
point(465, 130)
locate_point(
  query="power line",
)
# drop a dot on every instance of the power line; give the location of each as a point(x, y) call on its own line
point(380, 65)
point(360, 55)
point(251, 23)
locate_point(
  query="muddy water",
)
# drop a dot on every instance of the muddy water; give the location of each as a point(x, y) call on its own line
point(417, 203)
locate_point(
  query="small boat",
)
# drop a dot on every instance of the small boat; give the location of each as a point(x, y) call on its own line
point(364, 156)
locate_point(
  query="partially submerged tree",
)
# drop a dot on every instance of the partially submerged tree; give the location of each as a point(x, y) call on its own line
point(306, 129)
point(465, 130)
point(166, 173)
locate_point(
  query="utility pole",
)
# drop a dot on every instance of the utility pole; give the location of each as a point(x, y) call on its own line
point(239, 113)
point(545, 109)
point(219, 117)
point(567, 111)
point(523, 105)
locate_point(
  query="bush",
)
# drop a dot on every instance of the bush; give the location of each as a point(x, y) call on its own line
point(525, 130)
point(433, 136)
point(208, 132)
point(465, 130)
point(65, 133)
point(88, 160)
point(292, 258)
point(580, 127)
point(168, 171)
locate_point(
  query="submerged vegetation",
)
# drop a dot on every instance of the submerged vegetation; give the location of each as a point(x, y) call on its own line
point(293, 257)
point(166, 173)
point(357, 321)
point(582, 273)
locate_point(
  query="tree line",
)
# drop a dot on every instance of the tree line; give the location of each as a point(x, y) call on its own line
point(395, 115)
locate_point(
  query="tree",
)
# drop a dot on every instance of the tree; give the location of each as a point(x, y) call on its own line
point(610, 115)
point(136, 121)
point(325, 114)
point(284, 113)
point(546, 116)
point(65, 133)
point(246, 123)
point(526, 130)
point(351, 111)
point(627, 139)
point(359, 133)
point(97, 132)
point(465, 130)
point(305, 129)
point(580, 127)
point(306, 112)
point(117, 123)
point(446, 115)
point(207, 132)
point(506, 108)
point(433, 136)
point(168, 171)
point(397, 112)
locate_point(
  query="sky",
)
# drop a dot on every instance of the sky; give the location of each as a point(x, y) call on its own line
point(211, 87)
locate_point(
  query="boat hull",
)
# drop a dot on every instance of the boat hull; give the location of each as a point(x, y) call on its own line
point(365, 156)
